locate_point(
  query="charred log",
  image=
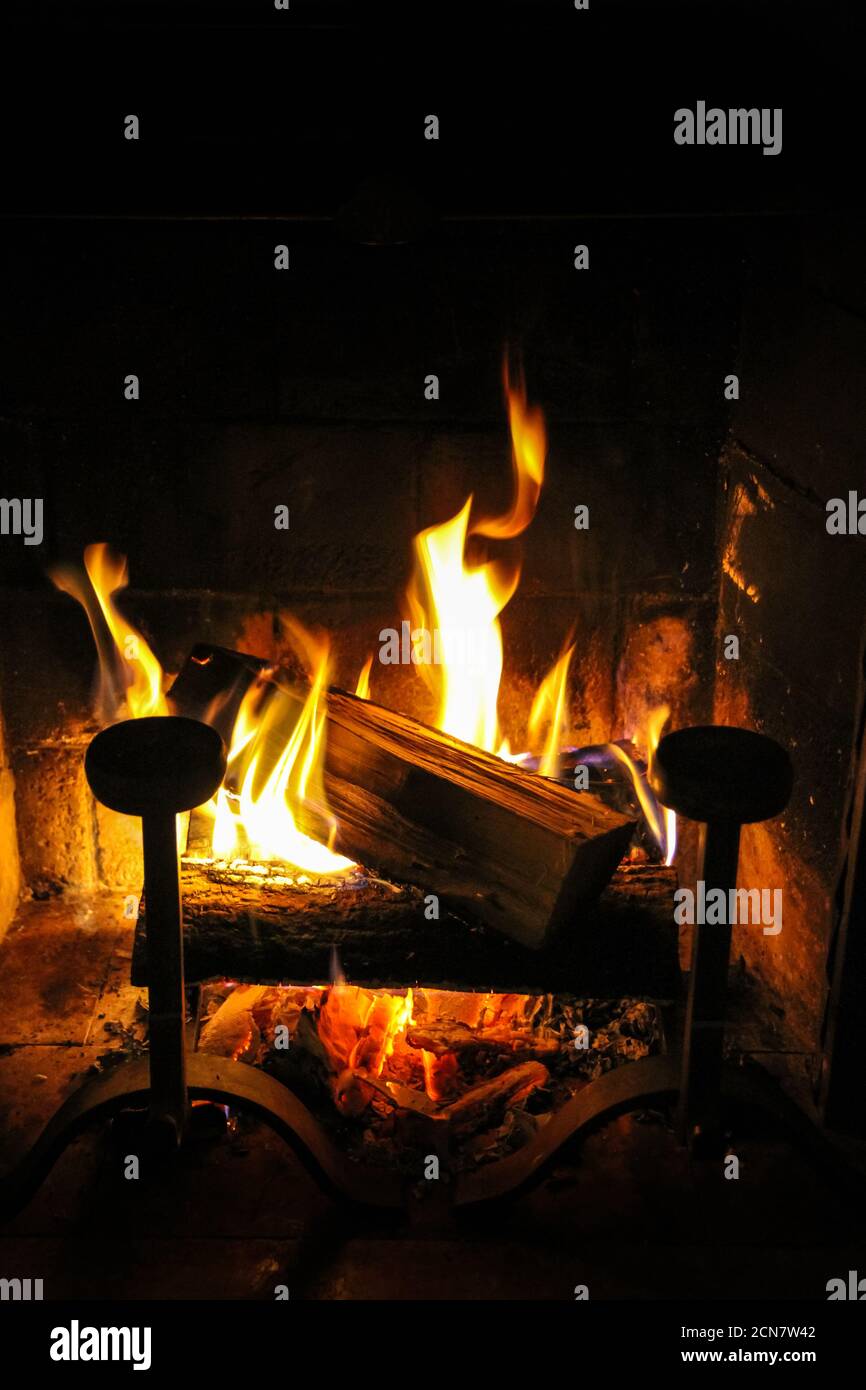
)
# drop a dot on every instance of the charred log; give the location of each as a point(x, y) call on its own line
point(258, 928)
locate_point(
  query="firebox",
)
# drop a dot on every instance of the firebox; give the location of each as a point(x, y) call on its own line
point(432, 692)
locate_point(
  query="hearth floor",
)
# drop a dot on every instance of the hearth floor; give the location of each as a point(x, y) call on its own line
point(626, 1214)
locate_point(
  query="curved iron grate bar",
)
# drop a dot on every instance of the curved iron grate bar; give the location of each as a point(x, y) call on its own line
point(234, 1083)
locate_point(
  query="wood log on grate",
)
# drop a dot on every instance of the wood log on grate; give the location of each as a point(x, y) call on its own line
point(493, 842)
point(248, 927)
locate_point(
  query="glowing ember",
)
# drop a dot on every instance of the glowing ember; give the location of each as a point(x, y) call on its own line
point(359, 1029)
point(367, 1036)
point(466, 1062)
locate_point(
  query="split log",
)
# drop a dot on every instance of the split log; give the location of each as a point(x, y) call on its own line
point(492, 841)
point(238, 927)
point(512, 849)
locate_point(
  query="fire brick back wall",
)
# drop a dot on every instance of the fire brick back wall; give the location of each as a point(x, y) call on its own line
point(10, 866)
point(794, 594)
point(306, 387)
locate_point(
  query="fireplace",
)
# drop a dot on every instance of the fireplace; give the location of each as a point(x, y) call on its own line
point(638, 481)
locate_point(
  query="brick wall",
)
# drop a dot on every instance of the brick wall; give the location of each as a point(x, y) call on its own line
point(306, 388)
point(797, 440)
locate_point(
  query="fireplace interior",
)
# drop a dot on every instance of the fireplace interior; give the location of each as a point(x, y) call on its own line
point(675, 544)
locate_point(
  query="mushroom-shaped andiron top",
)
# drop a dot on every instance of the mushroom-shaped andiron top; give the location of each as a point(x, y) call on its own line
point(716, 773)
point(162, 764)
point(724, 778)
point(155, 768)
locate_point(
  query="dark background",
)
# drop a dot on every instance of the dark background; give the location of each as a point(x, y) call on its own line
point(306, 127)
point(544, 109)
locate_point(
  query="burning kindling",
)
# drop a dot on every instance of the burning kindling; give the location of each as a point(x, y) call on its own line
point(275, 765)
point(382, 1066)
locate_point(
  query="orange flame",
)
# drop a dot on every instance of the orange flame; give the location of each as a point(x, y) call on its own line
point(131, 680)
point(548, 708)
point(459, 602)
point(362, 689)
point(366, 1036)
point(660, 819)
point(359, 1027)
point(528, 453)
point(275, 761)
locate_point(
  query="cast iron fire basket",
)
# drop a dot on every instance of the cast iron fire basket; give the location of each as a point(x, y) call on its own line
point(156, 768)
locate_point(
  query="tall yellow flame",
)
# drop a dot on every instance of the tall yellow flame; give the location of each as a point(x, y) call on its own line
point(275, 761)
point(131, 681)
point(458, 602)
point(548, 708)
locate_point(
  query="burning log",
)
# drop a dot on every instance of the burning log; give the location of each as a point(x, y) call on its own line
point(508, 847)
point(491, 841)
point(253, 925)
